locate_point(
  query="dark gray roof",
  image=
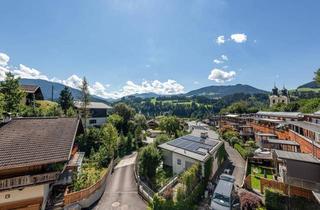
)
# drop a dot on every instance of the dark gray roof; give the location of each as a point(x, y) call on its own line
point(306, 125)
point(304, 157)
point(93, 105)
point(281, 114)
point(199, 127)
point(266, 134)
point(282, 141)
point(36, 141)
point(29, 88)
point(194, 144)
point(267, 120)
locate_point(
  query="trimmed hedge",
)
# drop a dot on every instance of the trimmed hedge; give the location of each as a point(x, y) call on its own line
point(243, 152)
point(278, 201)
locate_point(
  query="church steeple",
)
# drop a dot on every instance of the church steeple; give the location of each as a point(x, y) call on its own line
point(275, 90)
point(284, 91)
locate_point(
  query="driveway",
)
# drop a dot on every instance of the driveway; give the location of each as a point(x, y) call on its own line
point(235, 163)
point(121, 190)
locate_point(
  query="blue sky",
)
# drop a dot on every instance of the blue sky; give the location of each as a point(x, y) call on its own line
point(128, 46)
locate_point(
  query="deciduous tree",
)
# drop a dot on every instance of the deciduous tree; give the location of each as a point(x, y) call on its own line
point(12, 94)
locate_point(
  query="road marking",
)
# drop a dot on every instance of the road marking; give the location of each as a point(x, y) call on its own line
point(115, 204)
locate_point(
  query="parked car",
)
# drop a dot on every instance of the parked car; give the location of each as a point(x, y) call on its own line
point(227, 177)
point(224, 195)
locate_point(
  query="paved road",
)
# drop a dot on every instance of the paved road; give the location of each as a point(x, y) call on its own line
point(236, 164)
point(121, 191)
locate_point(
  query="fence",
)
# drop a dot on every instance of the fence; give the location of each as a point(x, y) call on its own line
point(286, 189)
point(170, 184)
point(74, 197)
point(144, 191)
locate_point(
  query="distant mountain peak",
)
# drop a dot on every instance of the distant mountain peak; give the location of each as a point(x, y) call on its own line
point(46, 88)
point(217, 91)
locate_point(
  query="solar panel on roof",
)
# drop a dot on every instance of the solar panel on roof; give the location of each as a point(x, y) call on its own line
point(191, 145)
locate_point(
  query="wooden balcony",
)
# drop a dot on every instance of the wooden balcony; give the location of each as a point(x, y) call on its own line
point(26, 180)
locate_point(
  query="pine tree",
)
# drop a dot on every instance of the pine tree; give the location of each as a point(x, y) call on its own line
point(317, 76)
point(12, 94)
point(85, 100)
point(65, 99)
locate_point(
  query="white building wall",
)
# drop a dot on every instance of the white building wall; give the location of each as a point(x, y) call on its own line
point(167, 157)
point(178, 168)
point(99, 121)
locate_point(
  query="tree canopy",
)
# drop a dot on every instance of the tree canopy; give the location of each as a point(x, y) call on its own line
point(65, 99)
point(12, 94)
point(170, 124)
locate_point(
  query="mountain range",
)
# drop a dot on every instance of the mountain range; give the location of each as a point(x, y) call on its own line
point(214, 91)
point(217, 91)
point(46, 88)
point(312, 85)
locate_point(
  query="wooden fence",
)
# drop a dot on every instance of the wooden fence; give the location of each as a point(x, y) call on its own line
point(286, 189)
point(74, 197)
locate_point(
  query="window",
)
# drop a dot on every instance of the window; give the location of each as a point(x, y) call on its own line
point(92, 121)
point(179, 161)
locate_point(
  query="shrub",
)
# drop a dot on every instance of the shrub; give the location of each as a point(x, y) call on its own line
point(228, 134)
point(86, 177)
point(249, 200)
point(243, 152)
point(278, 201)
point(234, 140)
point(275, 200)
point(251, 143)
point(149, 161)
point(168, 194)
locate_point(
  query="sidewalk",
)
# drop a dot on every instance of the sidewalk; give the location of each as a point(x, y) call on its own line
point(236, 164)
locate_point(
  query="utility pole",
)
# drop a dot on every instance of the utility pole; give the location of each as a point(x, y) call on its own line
point(52, 93)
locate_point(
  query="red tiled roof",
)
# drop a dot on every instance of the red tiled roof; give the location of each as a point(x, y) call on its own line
point(36, 141)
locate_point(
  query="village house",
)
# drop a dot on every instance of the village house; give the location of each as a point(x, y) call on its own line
point(298, 171)
point(290, 126)
point(36, 154)
point(98, 113)
point(33, 93)
point(153, 124)
point(183, 152)
point(312, 118)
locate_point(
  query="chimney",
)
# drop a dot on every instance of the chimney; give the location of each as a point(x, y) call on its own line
point(204, 135)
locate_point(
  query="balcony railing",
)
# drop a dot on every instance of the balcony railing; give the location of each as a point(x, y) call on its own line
point(26, 180)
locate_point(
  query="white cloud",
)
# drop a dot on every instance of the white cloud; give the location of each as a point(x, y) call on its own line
point(3, 72)
point(220, 40)
point(217, 61)
point(195, 82)
point(29, 73)
point(4, 59)
point(224, 57)
point(221, 76)
point(168, 87)
point(222, 60)
point(239, 38)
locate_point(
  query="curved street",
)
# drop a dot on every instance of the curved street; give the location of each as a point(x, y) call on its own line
point(121, 190)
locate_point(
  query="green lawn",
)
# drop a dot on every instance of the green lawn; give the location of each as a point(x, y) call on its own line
point(256, 172)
